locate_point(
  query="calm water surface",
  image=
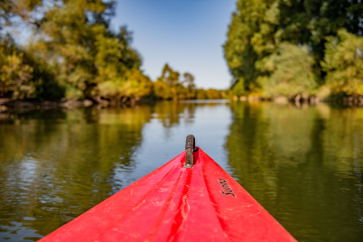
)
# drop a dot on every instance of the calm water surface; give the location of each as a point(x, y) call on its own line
point(303, 164)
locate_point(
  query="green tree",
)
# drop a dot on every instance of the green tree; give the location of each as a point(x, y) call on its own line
point(251, 36)
point(15, 74)
point(311, 21)
point(169, 76)
point(133, 85)
point(201, 94)
point(239, 88)
point(343, 63)
point(23, 76)
point(259, 27)
point(169, 86)
point(162, 90)
point(213, 94)
point(75, 37)
point(288, 72)
point(10, 10)
point(189, 80)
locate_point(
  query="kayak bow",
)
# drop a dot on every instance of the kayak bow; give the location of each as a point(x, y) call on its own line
point(192, 201)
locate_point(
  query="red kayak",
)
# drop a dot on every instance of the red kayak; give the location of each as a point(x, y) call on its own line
point(190, 198)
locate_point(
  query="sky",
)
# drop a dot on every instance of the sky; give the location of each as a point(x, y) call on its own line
point(186, 34)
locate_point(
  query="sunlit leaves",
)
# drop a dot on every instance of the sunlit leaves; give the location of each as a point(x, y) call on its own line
point(22, 76)
point(289, 71)
point(343, 62)
point(86, 51)
point(250, 36)
point(15, 74)
point(256, 54)
point(169, 85)
point(134, 84)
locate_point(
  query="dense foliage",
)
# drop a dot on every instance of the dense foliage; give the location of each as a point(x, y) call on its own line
point(284, 47)
point(343, 63)
point(73, 54)
point(22, 76)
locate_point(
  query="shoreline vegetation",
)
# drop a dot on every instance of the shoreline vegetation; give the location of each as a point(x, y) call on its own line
point(297, 50)
point(73, 58)
point(281, 51)
point(9, 106)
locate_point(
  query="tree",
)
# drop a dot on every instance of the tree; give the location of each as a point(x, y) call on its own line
point(189, 80)
point(288, 72)
point(23, 76)
point(310, 22)
point(162, 90)
point(213, 94)
point(75, 37)
point(259, 27)
point(238, 88)
point(169, 76)
point(134, 85)
point(168, 85)
point(251, 36)
point(10, 10)
point(201, 94)
point(15, 74)
point(343, 63)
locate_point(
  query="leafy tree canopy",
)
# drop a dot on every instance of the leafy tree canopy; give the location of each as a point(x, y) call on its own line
point(343, 62)
point(267, 39)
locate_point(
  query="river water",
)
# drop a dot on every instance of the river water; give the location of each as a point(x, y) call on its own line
point(303, 164)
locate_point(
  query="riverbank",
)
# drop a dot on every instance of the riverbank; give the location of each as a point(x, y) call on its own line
point(298, 100)
point(8, 105)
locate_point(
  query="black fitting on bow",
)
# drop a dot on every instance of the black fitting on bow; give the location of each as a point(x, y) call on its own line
point(189, 149)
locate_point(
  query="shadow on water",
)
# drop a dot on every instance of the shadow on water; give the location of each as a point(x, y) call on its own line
point(304, 165)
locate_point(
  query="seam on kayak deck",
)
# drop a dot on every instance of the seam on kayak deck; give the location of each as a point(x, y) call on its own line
point(167, 204)
point(183, 205)
point(210, 198)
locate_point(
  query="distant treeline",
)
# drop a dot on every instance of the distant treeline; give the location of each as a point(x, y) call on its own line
point(296, 49)
point(72, 54)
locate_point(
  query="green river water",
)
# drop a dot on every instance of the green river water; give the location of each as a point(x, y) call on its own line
point(303, 164)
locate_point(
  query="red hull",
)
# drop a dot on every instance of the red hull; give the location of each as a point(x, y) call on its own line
point(173, 203)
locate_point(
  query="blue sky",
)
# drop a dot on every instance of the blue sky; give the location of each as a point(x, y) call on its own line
point(186, 34)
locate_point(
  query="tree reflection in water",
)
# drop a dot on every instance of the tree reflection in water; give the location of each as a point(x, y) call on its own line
point(303, 164)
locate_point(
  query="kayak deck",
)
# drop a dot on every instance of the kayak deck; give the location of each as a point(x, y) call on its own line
point(172, 203)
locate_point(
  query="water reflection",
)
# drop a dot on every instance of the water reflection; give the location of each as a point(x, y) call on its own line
point(57, 164)
point(303, 164)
